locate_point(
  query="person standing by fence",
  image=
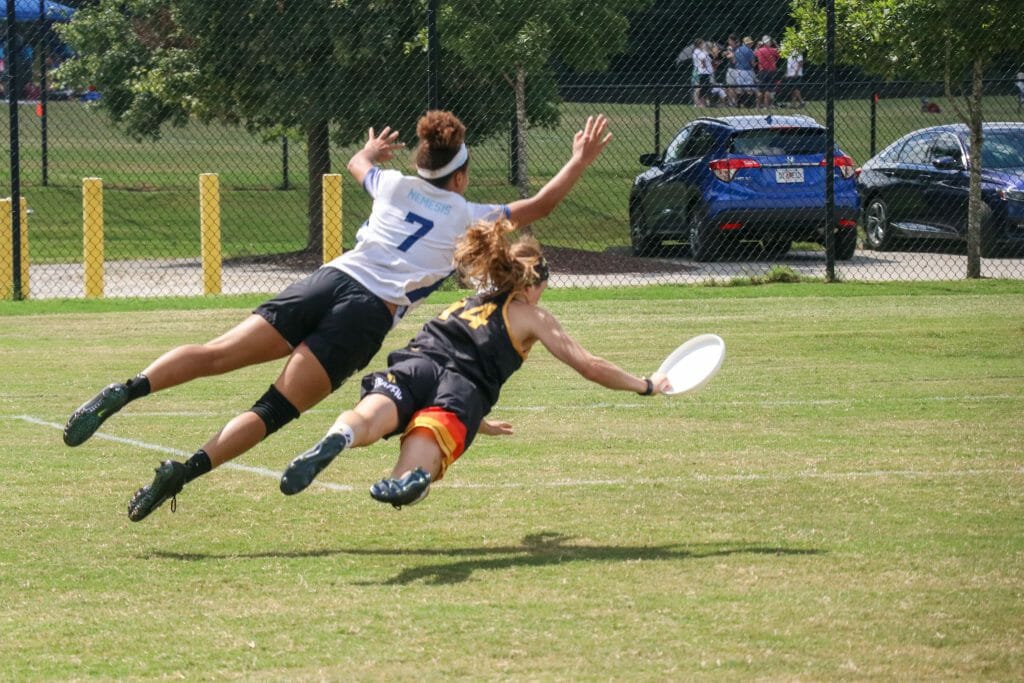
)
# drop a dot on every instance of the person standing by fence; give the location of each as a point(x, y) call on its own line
point(740, 76)
point(766, 56)
point(789, 93)
point(704, 70)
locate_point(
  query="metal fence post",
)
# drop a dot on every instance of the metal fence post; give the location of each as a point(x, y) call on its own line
point(830, 155)
point(433, 57)
point(41, 49)
point(13, 91)
point(657, 121)
point(874, 121)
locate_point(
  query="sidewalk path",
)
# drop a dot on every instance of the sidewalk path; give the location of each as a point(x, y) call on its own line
point(183, 277)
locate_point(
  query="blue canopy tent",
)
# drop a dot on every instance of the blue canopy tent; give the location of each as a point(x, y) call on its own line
point(28, 10)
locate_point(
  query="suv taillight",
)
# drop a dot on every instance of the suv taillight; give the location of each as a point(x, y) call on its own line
point(725, 169)
point(844, 165)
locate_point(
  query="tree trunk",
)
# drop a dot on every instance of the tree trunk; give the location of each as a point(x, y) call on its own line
point(974, 202)
point(318, 162)
point(522, 174)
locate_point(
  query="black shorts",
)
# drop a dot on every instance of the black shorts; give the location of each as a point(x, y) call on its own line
point(765, 80)
point(416, 383)
point(704, 84)
point(342, 322)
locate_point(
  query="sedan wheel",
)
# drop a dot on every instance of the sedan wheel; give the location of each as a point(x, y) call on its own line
point(877, 231)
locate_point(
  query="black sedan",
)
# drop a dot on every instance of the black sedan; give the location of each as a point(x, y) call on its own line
point(917, 189)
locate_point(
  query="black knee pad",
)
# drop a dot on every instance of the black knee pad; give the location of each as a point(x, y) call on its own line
point(275, 410)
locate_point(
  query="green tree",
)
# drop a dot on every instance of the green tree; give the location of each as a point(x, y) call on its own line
point(331, 68)
point(938, 39)
point(269, 65)
point(519, 43)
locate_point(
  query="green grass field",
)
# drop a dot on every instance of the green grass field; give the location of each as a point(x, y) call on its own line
point(151, 195)
point(843, 502)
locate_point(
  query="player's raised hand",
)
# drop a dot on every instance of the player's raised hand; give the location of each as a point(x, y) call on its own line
point(588, 143)
point(381, 147)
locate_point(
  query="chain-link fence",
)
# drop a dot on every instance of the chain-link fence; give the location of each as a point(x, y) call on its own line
point(722, 112)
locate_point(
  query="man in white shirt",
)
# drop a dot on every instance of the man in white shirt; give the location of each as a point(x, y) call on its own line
point(793, 78)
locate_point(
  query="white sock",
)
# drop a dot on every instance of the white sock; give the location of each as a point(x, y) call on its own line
point(346, 433)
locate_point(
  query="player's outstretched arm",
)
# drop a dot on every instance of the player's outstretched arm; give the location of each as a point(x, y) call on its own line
point(546, 328)
point(587, 145)
point(378, 148)
point(495, 427)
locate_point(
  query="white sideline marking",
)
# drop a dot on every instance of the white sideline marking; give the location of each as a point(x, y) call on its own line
point(646, 404)
point(565, 483)
point(262, 471)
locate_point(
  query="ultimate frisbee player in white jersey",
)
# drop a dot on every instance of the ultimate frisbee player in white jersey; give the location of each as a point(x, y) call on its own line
point(332, 323)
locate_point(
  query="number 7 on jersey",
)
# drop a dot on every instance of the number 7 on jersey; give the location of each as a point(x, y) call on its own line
point(425, 224)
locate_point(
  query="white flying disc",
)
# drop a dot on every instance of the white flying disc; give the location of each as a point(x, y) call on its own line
point(693, 364)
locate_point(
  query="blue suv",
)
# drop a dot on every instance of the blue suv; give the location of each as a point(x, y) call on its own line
point(743, 180)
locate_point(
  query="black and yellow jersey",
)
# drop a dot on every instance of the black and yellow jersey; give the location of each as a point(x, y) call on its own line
point(471, 337)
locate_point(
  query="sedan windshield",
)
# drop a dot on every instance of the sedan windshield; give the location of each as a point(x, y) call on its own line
point(779, 142)
point(1003, 149)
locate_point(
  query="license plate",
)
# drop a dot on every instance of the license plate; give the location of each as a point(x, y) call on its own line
point(789, 175)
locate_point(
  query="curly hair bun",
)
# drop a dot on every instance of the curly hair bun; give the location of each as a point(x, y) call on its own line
point(440, 130)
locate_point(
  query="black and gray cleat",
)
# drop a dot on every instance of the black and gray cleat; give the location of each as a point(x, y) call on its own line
point(84, 422)
point(168, 483)
point(409, 489)
point(301, 472)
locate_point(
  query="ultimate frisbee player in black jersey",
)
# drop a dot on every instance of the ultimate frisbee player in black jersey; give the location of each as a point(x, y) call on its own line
point(330, 324)
point(438, 390)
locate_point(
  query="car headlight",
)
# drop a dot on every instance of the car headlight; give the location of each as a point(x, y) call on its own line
point(1012, 195)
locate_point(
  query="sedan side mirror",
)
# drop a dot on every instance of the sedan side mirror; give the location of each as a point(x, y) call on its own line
point(650, 159)
point(948, 164)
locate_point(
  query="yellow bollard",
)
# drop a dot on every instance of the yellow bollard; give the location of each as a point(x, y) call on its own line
point(24, 249)
point(332, 213)
point(209, 231)
point(6, 256)
point(92, 236)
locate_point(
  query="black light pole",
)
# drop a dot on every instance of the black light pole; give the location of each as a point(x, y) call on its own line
point(874, 121)
point(284, 162)
point(13, 90)
point(433, 57)
point(657, 121)
point(41, 49)
point(830, 125)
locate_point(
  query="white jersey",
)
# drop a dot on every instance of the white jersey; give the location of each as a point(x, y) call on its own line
point(795, 65)
point(406, 248)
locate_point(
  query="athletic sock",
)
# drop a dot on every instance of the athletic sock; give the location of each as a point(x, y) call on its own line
point(346, 433)
point(138, 387)
point(197, 465)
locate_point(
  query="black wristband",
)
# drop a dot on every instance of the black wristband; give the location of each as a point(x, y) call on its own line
point(650, 387)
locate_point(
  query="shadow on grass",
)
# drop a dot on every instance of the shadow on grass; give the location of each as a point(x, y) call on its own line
point(547, 548)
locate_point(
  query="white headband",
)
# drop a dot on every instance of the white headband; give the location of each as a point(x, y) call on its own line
point(460, 158)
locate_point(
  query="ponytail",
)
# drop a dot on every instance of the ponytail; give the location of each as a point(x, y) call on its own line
point(486, 258)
